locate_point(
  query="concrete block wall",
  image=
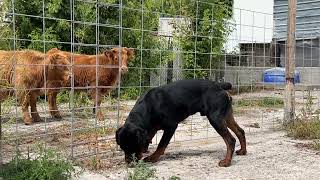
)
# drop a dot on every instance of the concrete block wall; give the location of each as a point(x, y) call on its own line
point(251, 75)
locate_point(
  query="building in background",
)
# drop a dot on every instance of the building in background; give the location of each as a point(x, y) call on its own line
point(307, 31)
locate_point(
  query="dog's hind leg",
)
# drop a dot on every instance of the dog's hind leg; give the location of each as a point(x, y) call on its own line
point(217, 121)
point(232, 124)
point(165, 139)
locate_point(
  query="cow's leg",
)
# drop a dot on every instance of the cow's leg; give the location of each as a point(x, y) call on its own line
point(165, 139)
point(33, 103)
point(52, 101)
point(216, 119)
point(96, 97)
point(232, 124)
point(25, 102)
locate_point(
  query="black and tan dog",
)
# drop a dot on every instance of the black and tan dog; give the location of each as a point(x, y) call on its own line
point(164, 107)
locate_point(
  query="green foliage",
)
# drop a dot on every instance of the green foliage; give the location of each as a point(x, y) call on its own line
point(130, 93)
point(201, 39)
point(142, 171)
point(80, 99)
point(46, 165)
point(203, 42)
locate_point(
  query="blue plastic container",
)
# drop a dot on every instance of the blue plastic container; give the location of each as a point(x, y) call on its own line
point(278, 76)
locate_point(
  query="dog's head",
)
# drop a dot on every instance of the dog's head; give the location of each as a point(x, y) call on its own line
point(132, 140)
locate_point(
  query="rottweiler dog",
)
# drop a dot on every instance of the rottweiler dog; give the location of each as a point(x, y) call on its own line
point(164, 107)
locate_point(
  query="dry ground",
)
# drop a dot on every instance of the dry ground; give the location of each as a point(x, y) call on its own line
point(271, 155)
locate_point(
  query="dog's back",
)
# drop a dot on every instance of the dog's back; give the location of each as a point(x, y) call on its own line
point(182, 98)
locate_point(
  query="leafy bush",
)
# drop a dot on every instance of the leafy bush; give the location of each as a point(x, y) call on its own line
point(47, 165)
point(142, 171)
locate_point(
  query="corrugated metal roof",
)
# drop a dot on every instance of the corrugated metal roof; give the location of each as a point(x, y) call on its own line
point(308, 19)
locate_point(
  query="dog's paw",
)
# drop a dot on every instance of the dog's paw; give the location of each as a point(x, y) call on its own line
point(224, 163)
point(151, 159)
point(241, 152)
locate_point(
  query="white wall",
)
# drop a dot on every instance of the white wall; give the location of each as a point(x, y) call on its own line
point(253, 21)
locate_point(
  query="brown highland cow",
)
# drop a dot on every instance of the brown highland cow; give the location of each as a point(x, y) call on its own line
point(85, 73)
point(29, 72)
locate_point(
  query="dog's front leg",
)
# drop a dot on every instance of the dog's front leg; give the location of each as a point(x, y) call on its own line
point(165, 139)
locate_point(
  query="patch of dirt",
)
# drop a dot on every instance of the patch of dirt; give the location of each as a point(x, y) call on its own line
point(271, 155)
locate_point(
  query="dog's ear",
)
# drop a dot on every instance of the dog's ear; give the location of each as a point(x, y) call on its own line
point(118, 136)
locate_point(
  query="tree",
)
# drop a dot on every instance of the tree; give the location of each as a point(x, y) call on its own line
point(136, 23)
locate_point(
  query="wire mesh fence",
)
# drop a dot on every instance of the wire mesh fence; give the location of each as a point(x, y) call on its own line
point(109, 52)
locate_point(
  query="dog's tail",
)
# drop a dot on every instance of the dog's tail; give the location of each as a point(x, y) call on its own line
point(225, 85)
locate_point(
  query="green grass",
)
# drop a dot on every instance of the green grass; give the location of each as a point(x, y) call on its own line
point(244, 89)
point(265, 102)
point(47, 165)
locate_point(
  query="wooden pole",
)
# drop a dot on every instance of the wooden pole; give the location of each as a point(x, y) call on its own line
point(289, 114)
point(1, 159)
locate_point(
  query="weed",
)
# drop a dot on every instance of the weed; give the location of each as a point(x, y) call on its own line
point(63, 97)
point(306, 124)
point(174, 178)
point(316, 144)
point(142, 171)
point(130, 93)
point(47, 164)
point(304, 129)
point(80, 99)
point(95, 163)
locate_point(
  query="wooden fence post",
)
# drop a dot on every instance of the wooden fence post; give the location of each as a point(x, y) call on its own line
point(289, 114)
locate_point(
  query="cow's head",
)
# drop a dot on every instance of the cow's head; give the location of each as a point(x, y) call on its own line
point(59, 68)
point(125, 54)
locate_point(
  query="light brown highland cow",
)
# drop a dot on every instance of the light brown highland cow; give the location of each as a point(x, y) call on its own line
point(85, 73)
point(29, 72)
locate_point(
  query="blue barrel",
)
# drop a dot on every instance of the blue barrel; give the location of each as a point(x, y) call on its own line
point(278, 76)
